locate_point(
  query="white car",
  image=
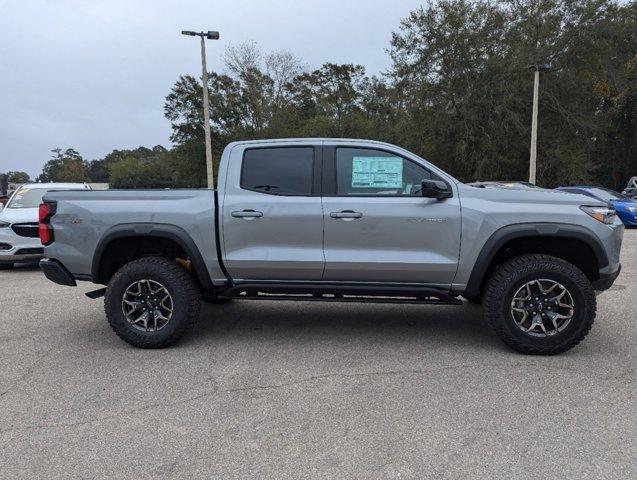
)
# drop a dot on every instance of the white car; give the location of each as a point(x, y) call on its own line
point(19, 238)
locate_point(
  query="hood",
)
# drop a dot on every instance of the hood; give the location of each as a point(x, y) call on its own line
point(19, 215)
point(625, 202)
point(531, 195)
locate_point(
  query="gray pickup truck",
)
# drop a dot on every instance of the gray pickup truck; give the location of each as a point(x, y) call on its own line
point(336, 220)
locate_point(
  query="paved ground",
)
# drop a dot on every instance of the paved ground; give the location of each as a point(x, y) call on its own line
point(304, 390)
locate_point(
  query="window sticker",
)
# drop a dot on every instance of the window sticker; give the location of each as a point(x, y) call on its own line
point(377, 172)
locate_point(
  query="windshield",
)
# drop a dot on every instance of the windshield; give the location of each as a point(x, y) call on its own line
point(27, 198)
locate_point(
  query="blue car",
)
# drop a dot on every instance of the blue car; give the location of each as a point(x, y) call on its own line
point(625, 207)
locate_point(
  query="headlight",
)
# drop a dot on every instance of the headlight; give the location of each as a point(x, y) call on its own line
point(632, 209)
point(4, 224)
point(601, 214)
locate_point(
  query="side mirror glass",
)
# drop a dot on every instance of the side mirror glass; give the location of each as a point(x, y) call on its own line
point(435, 189)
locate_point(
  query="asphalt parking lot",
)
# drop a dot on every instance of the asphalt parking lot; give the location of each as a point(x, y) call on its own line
point(308, 390)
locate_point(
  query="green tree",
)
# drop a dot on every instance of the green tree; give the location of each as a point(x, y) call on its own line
point(462, 65)
point(130, 173)
point(144, 168)
point(17, 177)
point(64, 166)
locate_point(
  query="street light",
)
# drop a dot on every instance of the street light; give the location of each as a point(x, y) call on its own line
point(210, 35)
point(533, 155)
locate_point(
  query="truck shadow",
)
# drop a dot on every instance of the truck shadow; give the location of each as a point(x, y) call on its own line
point(279, 321)
point(24, 267)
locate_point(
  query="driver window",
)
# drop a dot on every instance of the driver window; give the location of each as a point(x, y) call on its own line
point(365, 172)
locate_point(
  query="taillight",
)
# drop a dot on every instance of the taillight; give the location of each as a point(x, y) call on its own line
point(46, 211)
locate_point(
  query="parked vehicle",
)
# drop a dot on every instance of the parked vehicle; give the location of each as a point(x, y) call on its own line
point(336, 220)
point(19, 239)
point(631, 188)
point(514, 184)
point(625, 207)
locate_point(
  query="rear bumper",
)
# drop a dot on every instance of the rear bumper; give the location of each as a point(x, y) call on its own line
point(606, 280)
point(56, 272)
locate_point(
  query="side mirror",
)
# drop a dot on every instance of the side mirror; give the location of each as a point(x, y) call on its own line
point(435, 189)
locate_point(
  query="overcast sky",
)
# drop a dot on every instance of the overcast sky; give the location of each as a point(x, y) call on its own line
point(93, 74)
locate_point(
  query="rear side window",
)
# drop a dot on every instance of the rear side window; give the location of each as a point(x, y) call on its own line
point(278, 171)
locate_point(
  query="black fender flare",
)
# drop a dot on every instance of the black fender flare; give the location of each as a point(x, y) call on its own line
point(545, 230)
point(158, 230)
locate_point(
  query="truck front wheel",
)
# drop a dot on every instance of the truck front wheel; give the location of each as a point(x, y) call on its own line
point(152, 302)
point(539, 304)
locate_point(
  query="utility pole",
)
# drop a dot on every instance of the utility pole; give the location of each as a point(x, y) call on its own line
point(210, 35)
point(533, 153)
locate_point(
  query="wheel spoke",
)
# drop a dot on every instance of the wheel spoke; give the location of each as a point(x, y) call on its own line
point(133, 304)
point(143, 318)
point(550, 289)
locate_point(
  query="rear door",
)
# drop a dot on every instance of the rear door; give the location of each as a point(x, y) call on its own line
point(272, 217)
point(378, 227)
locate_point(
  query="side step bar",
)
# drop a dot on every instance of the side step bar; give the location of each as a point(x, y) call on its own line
point(340, 293)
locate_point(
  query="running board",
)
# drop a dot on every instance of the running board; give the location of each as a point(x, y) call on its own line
point(96, 293)
point(340, 293)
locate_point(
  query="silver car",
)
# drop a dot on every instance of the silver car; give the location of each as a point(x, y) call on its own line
point(19, 239)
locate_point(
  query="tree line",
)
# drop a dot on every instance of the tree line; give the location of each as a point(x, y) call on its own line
point(458, 93)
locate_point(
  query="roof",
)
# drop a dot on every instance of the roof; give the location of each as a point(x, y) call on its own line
point(311, 140)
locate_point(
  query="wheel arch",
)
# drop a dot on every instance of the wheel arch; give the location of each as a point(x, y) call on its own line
point(545, 234)
point(151, 231)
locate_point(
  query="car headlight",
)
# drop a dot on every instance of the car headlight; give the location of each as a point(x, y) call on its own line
point(632, 209)
point(601, 214)
point(4, 224)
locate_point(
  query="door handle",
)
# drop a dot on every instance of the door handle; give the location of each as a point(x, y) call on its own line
point(247, 214)
point(346, 214)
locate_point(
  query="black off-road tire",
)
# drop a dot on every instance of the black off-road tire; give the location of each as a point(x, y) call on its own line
point(509, 277)
point(6, 265)
point(182, 287)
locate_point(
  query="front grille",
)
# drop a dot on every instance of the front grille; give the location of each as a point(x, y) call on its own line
point(4, 246)
point(30, 251)
point(26, 229)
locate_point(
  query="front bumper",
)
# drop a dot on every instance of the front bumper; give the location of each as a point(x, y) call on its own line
point(606, 280)
point(14, 248)
point(20, 256)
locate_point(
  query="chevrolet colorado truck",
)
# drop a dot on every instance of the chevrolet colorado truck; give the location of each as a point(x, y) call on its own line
point(336, 220)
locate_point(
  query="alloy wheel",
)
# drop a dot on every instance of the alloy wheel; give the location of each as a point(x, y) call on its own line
point(542, 307)
point(147, 305)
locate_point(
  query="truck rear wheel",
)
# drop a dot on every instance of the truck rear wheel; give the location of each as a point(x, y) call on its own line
point(152, 302)
point(539, 304)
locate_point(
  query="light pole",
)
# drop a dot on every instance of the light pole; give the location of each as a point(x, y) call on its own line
point(533, 154)
point(206, 113)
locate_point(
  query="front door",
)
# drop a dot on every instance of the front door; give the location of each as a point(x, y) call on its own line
point(271, 215)
point(378, 227)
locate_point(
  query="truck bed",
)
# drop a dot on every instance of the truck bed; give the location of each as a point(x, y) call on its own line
point(85, 219)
